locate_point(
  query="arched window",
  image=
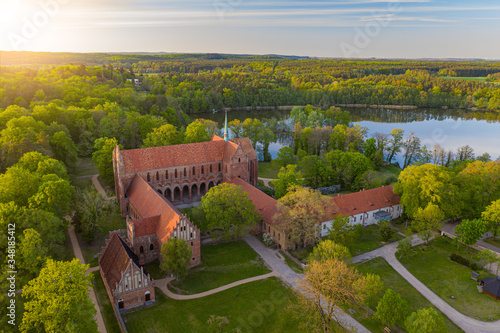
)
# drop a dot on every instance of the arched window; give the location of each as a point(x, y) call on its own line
point(166, 174)
point(157, 175)
point(151, 247)
point(175, 173)
point(141, 249)
point(202, 172)
point(149, 178)
point(185, 172)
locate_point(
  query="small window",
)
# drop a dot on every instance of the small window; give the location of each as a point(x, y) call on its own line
point(324, 226)
point(141, 249)
point(151, 247)
point(166, 174)
point(192, 259)
point(185, 172)
point(354, 218)
point(202, 172)
point(220, 167)
point(191, 237)
point(149, 178)
point(210, 168)
point(175, 173)
point(191, 243)
point(157, 175)
point(194, 171)
point(239, 160)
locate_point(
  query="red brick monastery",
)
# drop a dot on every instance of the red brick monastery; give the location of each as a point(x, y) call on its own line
point(151, 182)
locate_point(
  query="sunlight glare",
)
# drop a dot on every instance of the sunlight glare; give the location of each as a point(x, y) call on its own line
point(8, 10)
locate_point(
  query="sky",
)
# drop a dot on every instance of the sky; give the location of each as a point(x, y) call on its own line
point(341, 28)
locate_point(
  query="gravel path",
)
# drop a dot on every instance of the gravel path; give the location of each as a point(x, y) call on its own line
point(292, 278)
point(78, 254)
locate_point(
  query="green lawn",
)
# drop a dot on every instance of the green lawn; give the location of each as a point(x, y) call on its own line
point(222, 264)
point(268, 170)
point(493, 241)
point(301, 254)
point(432, 266)
point(105, 305)
point(85, 167)
point(254, 307)
point(370, 241)
point(292, 264)
point(394, 281)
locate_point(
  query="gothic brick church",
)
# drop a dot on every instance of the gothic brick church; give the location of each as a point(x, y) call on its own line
point(149, 184)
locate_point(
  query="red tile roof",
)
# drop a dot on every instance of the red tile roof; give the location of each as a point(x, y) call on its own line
point(264, 204)
point(364, 201)
point(155, 210)
point(115, 259)
point(246, 145)
point(146, 226)
point(137, 160)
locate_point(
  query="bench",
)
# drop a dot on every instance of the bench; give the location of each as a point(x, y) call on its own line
point(475, 276)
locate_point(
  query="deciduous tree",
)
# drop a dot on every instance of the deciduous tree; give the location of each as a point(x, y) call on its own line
point(165, 135)
point(328, 249)
point(329, 284)
point(103, 157)
point(392, 309)
point(175, 257)
point(492, 217)
point(426, 320)
point(428, 221)
point(287, 177)
point(58, 299)
point(229, 211)
point(469, 231)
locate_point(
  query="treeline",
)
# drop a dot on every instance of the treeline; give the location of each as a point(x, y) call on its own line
point(200, 83)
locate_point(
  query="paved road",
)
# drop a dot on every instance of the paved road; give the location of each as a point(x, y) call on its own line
point(163, 283)
point(78, 254)
point(292, 278)
point(467, 324)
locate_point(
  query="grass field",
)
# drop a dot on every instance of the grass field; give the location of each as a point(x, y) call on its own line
point(268, 170)
point(482, 79)
point(222, 264)
point(85, 167)
point(370, 241)
point(432, 266)
point(254, 307)
point(394, 281)
point(105, 305)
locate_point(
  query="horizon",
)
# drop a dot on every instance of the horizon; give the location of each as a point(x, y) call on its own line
point(357, 29)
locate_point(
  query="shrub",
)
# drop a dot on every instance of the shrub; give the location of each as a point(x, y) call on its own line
point(386, 230)
point(463, 261)
point(268, 241)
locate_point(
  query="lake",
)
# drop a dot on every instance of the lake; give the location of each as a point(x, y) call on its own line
point(449, 128)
